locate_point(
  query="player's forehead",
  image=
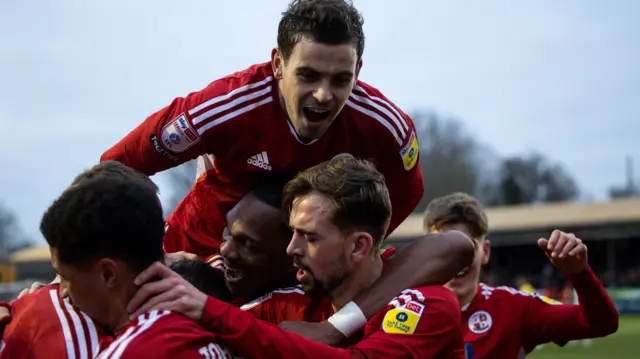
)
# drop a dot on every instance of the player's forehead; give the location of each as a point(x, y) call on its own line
point(325, 59)
point(253, 218)
point(311, 211)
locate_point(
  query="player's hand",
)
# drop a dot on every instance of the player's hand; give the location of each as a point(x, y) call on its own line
point(322, 332)
point(163, 289)
point(171, 258)
point(565, 251)
point(35, 286)
point(5, 318)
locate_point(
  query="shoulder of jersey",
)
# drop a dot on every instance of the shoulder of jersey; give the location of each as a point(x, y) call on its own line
point(137, 336)
point(378, 113)
point(232, 97)
point(488, 291)
point(289, 293)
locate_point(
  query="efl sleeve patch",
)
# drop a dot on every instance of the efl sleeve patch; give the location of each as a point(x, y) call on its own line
point(548, 300)
point(178, 135)
point(403, 320)
point(409, 152)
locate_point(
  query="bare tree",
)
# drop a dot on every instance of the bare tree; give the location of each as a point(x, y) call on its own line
point(533, 179)
point(180, 179)
point(452, 160)
point(11, 238)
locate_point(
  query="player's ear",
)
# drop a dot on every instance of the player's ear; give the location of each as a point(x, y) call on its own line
point(486, 248)
point(276, 63)
point(109, 272)
point(362, 245)
point(358, 67)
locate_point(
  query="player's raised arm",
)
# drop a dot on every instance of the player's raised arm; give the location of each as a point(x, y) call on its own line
point(594, 316)
point(202, 122)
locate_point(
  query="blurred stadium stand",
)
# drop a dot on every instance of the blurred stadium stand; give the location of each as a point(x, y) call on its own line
point(611, 230)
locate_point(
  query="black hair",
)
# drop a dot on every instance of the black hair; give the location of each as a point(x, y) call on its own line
point(205, 278)
point(113, 212)
point(332, 22)
point(270, 190)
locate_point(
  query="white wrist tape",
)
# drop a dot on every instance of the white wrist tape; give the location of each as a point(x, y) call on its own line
point(348, 320)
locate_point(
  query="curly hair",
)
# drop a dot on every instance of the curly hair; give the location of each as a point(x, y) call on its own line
point(110, 211)
point(331, 22)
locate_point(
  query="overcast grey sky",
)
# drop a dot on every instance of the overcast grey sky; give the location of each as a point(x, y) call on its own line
point(561, 77)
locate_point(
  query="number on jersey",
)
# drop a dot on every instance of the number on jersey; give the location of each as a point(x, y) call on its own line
point(213, 351)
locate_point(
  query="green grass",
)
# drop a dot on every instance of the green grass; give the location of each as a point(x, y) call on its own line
point(624, 344)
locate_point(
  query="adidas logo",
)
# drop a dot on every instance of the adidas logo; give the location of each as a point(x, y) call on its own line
point(260, 160)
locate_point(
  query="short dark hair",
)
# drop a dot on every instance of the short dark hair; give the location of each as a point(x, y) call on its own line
point(457, 208)
point(205, 278)
point(356, 189)
point(114, 169)
point(271, 189)
point(111, 211)
point(332, 22)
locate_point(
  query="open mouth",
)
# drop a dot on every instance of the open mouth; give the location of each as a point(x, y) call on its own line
point(233, 275)
point(315, 114)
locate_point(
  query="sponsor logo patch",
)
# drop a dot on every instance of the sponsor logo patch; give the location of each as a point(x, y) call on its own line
point(178, 135)
point(156, 145)
point(480, 322)
point(403, 320)
point(409, 153)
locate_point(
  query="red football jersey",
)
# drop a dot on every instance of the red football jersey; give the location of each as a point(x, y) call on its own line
point(45, 326)
point(289, 304)
point(239, 132)
point(419, 323)
point(503, 322)
point(163, 334)
point(292, 304)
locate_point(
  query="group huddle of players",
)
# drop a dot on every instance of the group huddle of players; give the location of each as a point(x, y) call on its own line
point(303, 171)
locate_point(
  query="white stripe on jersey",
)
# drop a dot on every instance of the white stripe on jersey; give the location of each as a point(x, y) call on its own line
point(221, 98)
point(240, 100)
point(388, 115)
point(117, 348)
point(234, 114)
point(387, 104)
point(67, 331)
point(383, 121)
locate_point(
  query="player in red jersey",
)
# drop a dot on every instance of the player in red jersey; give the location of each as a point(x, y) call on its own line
point(502, 322)
point(339, 212)
point(255, 262)
point(103, 231)
point(303, 107)
point(43, 325)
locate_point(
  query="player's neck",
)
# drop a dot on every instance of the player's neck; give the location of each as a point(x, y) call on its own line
point(468, 297)
point(361, 279)
point(284, 109)
point(119, 311)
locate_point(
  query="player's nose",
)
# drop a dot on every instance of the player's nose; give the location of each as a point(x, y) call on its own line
point(323, 94)
point(294, 248)
point(228, 249)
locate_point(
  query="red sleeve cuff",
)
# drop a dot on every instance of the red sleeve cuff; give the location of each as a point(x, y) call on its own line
point(585, 274)
point(212, 312)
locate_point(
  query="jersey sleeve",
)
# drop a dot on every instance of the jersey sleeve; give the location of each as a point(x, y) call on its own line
point(164, 335)
point(236, 328)
point(287, 304)
point(546, 321)
point(400, 160)
point(202, 122)
point(434, 331)
point(420, 323)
